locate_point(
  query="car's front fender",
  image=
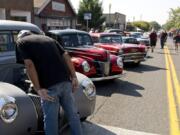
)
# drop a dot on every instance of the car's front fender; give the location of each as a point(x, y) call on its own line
point(26, 120)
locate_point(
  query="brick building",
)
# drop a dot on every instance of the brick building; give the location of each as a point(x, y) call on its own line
point(54, 14)
point(21, 10)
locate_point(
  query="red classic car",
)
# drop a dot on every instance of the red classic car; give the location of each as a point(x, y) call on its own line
point(102, 64)
point(113, 43)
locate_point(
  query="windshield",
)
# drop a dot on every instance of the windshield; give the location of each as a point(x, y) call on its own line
point(111, 39)
point(74, 40)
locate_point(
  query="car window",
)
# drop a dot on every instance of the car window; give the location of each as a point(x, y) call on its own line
point(95, 39)
point(6, 42)
point(70, 40)
point(111, 39)
point(84, 39)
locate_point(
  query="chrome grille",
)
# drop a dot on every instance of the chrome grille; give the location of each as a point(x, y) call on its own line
point(37, 103)
point(103, 68)
point(133, 56)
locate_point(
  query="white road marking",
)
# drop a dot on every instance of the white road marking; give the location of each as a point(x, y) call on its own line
point(97, 129)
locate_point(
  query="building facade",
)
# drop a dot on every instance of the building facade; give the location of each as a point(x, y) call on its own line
point(115, 20)
point(20, 10)
point(54, 14)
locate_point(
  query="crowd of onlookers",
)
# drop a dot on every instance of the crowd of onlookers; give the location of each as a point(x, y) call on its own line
point(163, 37)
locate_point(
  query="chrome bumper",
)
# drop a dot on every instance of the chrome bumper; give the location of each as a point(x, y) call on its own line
point(133, 57)
point(108, 77)
point(135, 60)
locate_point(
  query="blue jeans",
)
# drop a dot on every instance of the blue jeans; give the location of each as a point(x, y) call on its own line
point(62, 93)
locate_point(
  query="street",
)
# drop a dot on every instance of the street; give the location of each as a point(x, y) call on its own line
point(140, 103)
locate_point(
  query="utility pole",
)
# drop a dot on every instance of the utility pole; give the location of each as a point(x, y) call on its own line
point(109, 12)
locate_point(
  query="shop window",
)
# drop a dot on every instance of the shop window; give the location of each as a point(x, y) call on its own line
point(19, 18)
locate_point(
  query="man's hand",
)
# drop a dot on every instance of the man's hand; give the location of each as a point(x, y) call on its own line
point(43, 93)
point(75, 84)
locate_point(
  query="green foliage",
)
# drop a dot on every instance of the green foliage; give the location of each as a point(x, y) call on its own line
point(142, 25)
point(154, 25)
point(174, 19)
point(95, 8)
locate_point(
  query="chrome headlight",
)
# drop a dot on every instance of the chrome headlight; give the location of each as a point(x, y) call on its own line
point(88, 88)
point(8, 109)
point(120, 52)
point(120, 62)
point(86, 66)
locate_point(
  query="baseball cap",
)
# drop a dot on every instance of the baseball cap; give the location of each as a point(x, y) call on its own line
point(23, 33)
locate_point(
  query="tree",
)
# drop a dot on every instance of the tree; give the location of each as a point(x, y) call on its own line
point(154, 25)
point(95, 8)
point(142, 25)
point(174, 19)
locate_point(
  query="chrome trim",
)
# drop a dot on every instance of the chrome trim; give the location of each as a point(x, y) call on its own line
point(129, 54)
point(79, 51)
point(103, 67)
point(134, 57)
point(136, 60)
point(108, 77)
point(89, 89)
point(8, 108)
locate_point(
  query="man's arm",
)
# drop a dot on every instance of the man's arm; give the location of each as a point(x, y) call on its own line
point(33, 76)
point(72, 70)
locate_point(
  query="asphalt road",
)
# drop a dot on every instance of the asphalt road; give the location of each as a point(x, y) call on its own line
point(144, 102)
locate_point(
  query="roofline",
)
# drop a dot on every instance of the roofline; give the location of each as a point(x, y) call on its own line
point(48, 1)
point(43, 6)
point(114, 13)
point(70, 3)
point(67, 31)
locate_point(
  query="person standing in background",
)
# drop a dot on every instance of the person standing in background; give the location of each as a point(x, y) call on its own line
point(177, 40)
point(163, 38)
point(153, 40)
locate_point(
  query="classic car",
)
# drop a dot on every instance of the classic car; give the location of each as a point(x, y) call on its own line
point(140, 38)
point(113, 42)
point(129, 40)
point(20, 106)
point(79, 44)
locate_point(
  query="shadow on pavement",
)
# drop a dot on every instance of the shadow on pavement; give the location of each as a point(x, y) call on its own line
point(149, 57)
point(118, 86)
point(91, 129)
point(142, 68)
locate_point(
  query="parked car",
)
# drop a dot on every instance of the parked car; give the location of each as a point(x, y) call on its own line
point(20, 107)
point(113, 42)
point(142, 39)
point(130, 40)
point(79, 44)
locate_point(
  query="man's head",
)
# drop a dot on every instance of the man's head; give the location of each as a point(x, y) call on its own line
point(24, 33)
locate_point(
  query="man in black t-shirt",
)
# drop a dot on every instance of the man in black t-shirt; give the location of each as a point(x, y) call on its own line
point(53, 76)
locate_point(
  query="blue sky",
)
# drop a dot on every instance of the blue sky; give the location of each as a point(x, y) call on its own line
point(147, 10)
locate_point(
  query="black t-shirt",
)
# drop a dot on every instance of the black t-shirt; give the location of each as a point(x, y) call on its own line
point(46, 55)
